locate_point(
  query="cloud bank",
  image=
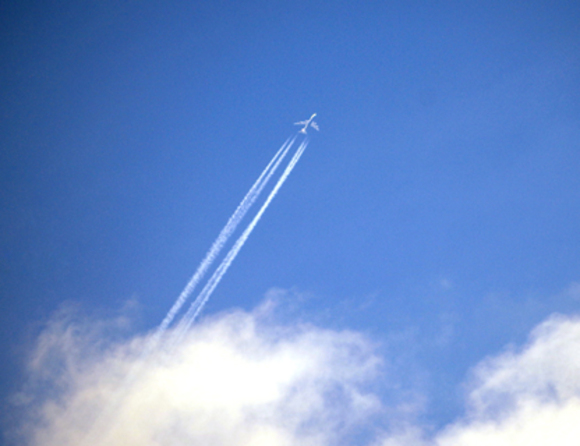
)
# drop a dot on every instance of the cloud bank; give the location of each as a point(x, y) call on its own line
point(235, 380)
point(239, 378)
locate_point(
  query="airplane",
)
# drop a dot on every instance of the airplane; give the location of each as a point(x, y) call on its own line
point(307, 123)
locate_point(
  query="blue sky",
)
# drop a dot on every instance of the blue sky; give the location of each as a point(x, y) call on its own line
point(435, 214)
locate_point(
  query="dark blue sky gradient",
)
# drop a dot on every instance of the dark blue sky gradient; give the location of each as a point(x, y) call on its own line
point(442, 193)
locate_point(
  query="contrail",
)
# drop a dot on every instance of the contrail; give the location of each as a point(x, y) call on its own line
point(206, 292)
point(224, 235)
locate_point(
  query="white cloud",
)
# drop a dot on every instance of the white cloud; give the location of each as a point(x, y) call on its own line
point(546, 369)
point(533, 423)
point(236, 380)
point(241, 379)
point(528, 397)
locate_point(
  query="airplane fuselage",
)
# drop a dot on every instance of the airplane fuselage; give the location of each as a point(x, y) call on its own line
point(306, 124)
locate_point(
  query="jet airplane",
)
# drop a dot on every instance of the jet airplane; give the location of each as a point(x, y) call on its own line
point(308, 122)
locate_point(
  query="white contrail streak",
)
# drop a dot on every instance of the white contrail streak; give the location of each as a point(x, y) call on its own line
point(224, 235)
point(206, 292)
point(204, 295)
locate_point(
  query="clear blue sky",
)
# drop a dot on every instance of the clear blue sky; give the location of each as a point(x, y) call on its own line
point(437, 211)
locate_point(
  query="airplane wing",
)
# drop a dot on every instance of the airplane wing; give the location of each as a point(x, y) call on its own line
point(314, 125)
point(300, 123)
